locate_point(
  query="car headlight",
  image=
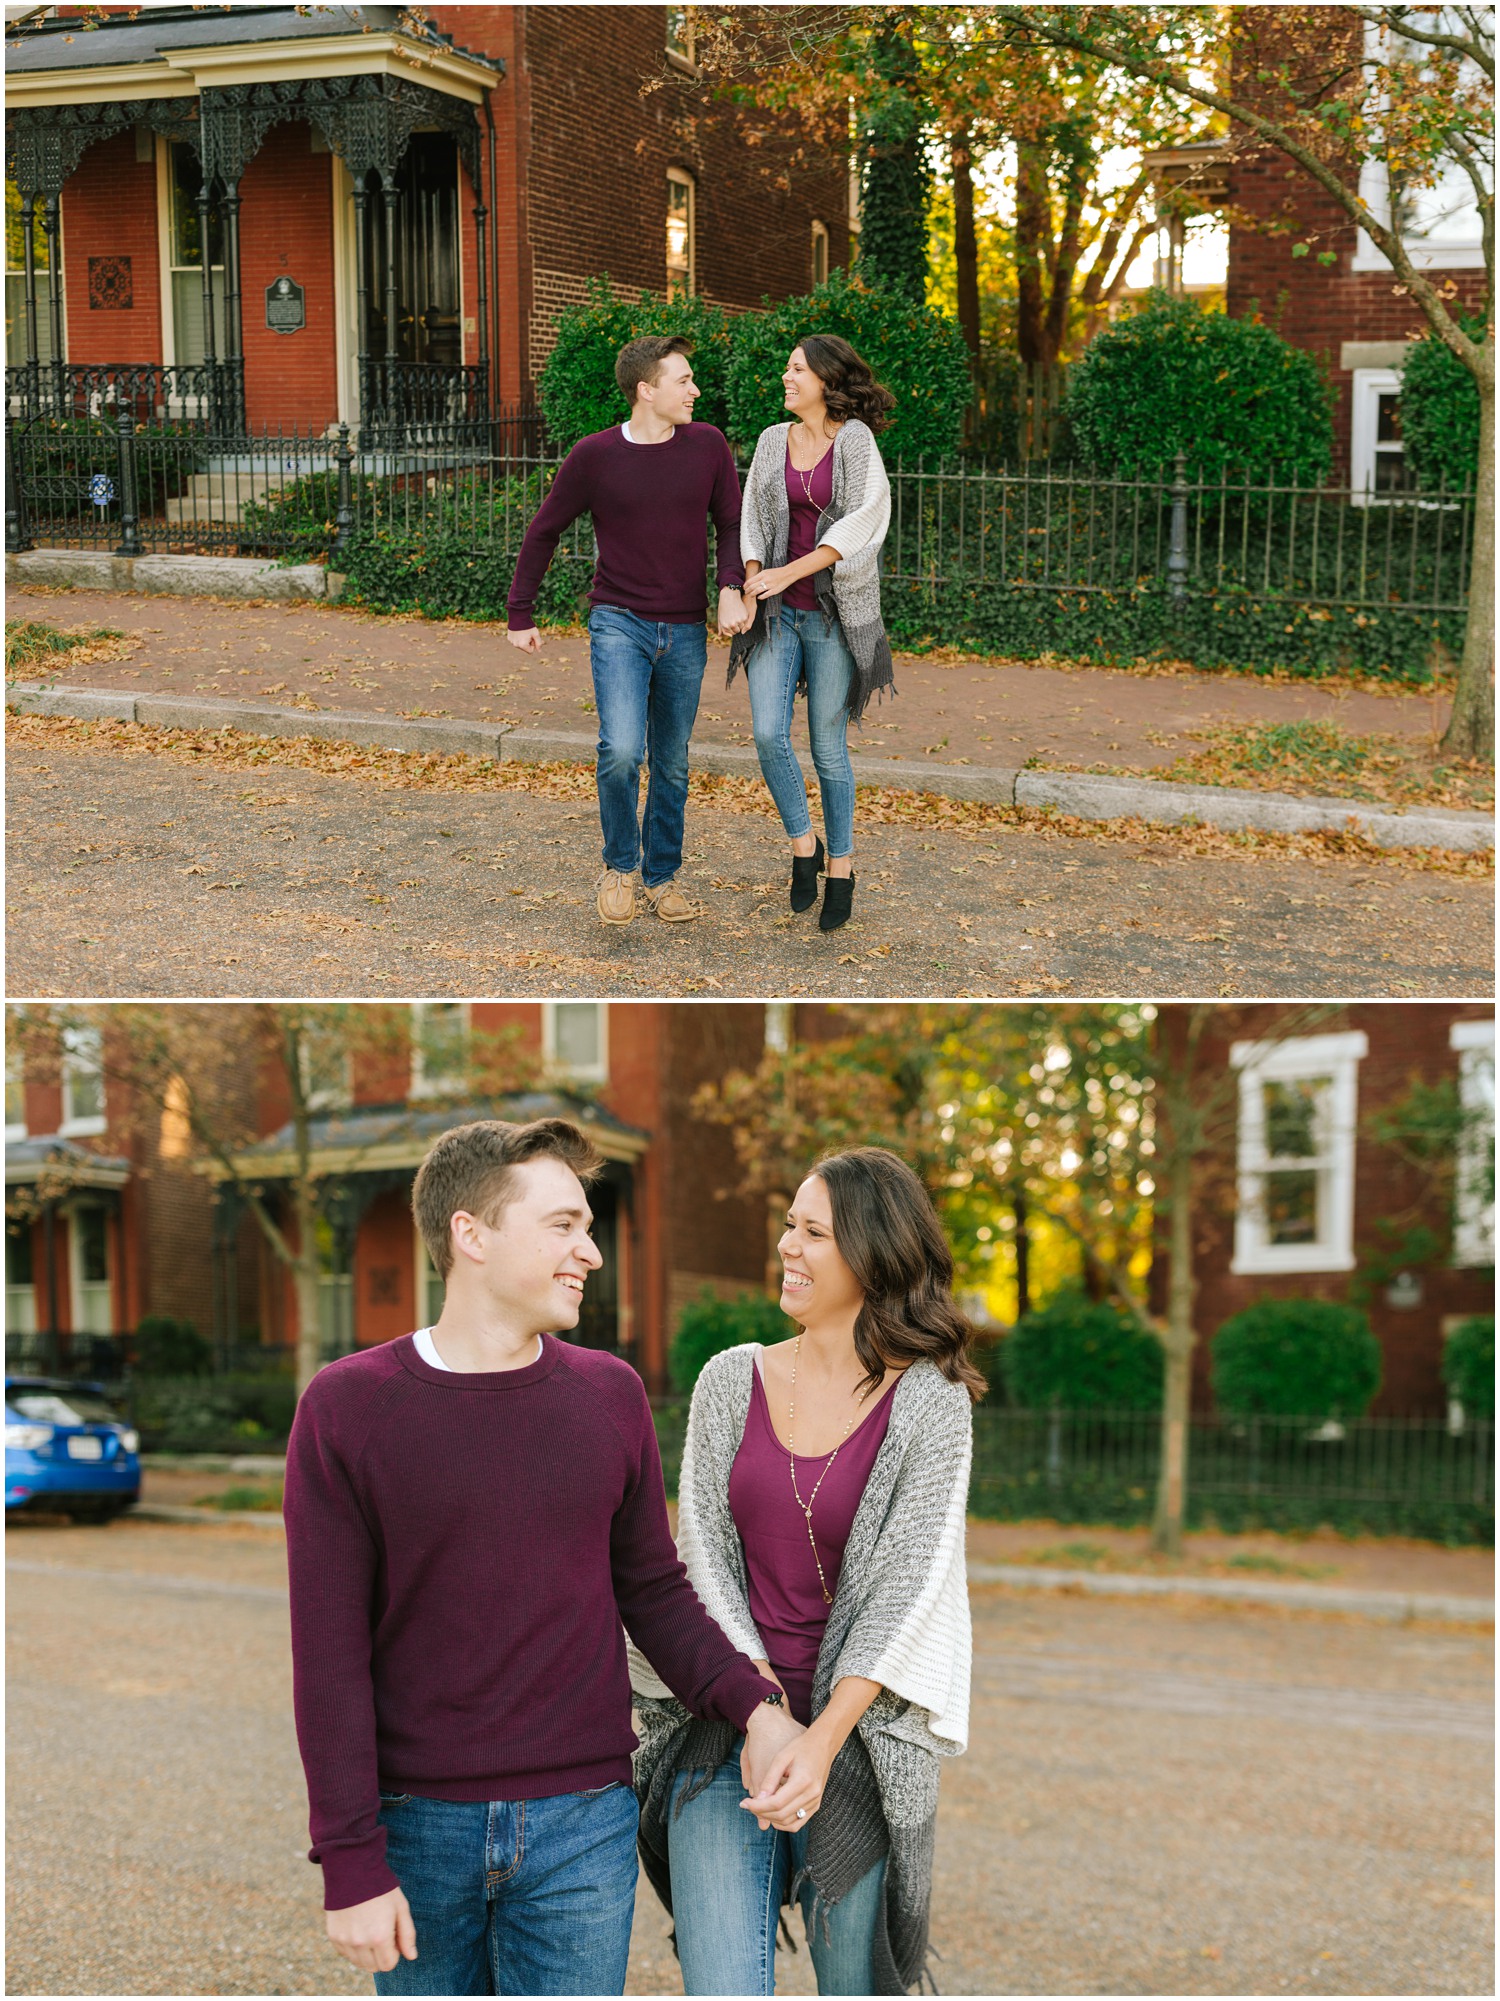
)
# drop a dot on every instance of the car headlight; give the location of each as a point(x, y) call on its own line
point(130, 1441)
point(27, 1437)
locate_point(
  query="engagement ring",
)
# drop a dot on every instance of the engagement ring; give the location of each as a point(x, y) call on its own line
point(802, 1813)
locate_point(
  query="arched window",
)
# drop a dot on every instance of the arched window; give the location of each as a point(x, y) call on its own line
point(819, 252)
point(681, 230)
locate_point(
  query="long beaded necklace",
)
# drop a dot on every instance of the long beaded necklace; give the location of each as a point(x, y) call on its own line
point(805, 480)
point(807, 1505)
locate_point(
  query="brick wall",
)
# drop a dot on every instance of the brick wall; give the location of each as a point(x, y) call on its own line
point(286, 227)
point(1408, 1043)
point(109, 211)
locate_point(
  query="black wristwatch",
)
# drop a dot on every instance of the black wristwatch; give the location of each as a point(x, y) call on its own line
point(775, 1700)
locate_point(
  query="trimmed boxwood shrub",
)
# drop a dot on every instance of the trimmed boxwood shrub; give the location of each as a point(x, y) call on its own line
point(577, 386)
point(918, 354)
point(1296, 1358)
point(1174, 378)
point(710, 1324)
point(213, 1414)
point(1440, 413)
point(168, 1347)
point(1082, 1354)
point(1469, 1365)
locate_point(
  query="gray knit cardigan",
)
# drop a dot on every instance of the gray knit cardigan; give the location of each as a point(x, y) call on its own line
point(900, 1616)
point(854, 522)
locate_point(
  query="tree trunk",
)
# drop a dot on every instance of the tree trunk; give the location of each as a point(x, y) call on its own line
point(1023, 1255)
point(965, 247)
point(1171, 1492)
point(1033, 234)
point(305, 1286)
point(1471, 727)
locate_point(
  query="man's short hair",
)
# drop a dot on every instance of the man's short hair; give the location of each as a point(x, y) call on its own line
point(640, 360)
point(473, 1167)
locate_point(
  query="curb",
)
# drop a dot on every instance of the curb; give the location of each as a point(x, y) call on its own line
point(1395, 1607)
point(1087, 795)
point(179, 576)
point(162, 1511)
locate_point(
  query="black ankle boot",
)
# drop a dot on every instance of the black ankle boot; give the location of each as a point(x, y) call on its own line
point(838, 901)
point(805, 872)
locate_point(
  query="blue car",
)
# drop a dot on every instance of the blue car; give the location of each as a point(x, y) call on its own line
point(67, 1451)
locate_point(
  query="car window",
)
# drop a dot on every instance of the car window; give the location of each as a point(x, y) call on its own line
point(51, 1407)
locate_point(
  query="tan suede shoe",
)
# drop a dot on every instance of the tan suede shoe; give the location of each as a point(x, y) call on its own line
point(616, 899)
point(669, 903)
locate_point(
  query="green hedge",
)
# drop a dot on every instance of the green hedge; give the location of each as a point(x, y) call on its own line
point(1440, 413)
point(1174, 378)
point(577, 386)
point(1082, 1354)
point(1296, 1358)
point(213, 1414)
point(1469, 1365)
point(710, 1324)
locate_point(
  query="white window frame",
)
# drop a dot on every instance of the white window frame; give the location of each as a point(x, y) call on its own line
point(680, 177)
point(424, 1275)
point(591, 1073)
point(1367, 387)
point(423, 1086)
point(779, 1025)
point(331, 1098)
point(1474, 1218)
point(76, 1279)
point(83, 1055)
point(1466, 254)
point(1298, 1059)
point(819, 236)
point(683, 55)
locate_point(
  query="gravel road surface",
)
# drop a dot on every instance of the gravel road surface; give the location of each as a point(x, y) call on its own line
point(1156, 1799)
point(134, 872)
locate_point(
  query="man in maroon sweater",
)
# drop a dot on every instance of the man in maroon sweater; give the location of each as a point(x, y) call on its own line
point(650, 485)
point(471, 1511)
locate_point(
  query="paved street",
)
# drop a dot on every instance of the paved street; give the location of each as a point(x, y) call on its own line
point(1157, 1800)
point(142, 865)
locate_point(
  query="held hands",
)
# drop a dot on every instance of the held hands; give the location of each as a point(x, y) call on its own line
point(374, 1935)
point(736, 613)
point(794, 1777)
point(529, 641)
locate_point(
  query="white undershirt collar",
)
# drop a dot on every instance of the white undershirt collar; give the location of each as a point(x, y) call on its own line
point(625, 434)
point(427, 1349)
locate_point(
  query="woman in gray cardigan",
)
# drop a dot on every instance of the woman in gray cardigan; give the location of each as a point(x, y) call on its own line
point(821, 1516)
point(816, 508)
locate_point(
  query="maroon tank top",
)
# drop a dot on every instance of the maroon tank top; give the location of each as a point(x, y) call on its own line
point(802, 537)
point(786, 1599)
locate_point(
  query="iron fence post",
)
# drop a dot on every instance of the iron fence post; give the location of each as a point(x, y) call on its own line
point(17, 531)
point(130, 539)
point(1177, 550)
point(343, 520)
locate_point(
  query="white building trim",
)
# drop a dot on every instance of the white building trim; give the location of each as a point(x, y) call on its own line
point(1330, 1062)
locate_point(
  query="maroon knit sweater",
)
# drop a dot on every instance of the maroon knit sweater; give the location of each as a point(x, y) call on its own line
point(650, 505)
point(462, 1550)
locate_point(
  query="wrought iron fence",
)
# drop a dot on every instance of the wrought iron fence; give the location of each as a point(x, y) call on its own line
point(207, 394)
point(1393, 1475)
point(961, 526)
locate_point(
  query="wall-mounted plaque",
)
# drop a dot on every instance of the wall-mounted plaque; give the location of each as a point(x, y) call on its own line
point(286, 306)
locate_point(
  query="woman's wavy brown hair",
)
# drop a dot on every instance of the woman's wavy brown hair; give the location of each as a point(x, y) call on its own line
point(889, 1236)
point(849, 385)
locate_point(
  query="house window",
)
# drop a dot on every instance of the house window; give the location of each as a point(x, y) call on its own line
point(15, 281)
point(326, 1071)
point(681, 246)
point(819, 252)
point(779, 1026)
point(682, 39)
point(439, 1048)
point(1298, 1103)
point(1377, 456)
point(335, 1292)
point(93, 1303)
point(82, 1083)
point(20, 1280)
point(15, 1090)
point(1474, 1186)
point(575, 1040)
point(185, 257)
point(1440, 223)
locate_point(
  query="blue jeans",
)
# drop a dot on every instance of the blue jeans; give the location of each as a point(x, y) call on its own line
point(798, 643)
point(728, 1880)
point(514, 1896)
point(647, 680)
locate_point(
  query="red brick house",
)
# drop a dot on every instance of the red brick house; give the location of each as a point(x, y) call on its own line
point(125, 1223)
point(290, 216)
point(1307, 1194)
point(1352, 313)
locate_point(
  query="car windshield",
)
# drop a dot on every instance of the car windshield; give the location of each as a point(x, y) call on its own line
point(61, 1407)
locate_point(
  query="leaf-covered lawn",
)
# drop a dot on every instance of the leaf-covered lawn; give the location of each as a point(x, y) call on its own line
point(33, 645)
